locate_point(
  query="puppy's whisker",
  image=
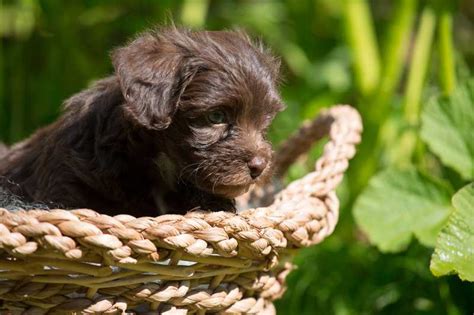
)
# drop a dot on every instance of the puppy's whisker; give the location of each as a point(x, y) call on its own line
point(218, 178)
point(203, 165)
point(195, 172)
point(189, 166)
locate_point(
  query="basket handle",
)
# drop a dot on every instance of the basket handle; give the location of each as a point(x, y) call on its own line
point(343, 126)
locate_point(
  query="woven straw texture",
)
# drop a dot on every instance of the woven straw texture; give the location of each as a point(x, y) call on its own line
point(79, 261)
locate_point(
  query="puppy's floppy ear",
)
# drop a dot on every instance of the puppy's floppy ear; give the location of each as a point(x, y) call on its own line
point(153, 74)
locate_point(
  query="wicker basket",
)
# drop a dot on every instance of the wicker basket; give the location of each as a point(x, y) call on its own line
point(79, 261)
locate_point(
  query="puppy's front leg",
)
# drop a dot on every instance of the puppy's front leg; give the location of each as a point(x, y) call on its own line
point(186, 198)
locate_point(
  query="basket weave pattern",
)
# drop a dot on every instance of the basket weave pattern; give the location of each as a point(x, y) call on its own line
point(79, 261)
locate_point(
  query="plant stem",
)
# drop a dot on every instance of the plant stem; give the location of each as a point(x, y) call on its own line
point(419, 65)
point(362, 41)
point(447, 74)
point(394, 52)
point(193, 12)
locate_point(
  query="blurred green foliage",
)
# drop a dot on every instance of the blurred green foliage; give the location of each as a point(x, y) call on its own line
point(384, 57)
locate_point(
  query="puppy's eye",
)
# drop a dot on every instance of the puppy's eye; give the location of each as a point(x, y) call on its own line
point(217, 117)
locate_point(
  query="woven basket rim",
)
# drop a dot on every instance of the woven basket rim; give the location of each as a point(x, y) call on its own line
point(192, 263)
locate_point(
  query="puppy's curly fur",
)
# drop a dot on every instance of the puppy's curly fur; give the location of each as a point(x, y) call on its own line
point(181, 124)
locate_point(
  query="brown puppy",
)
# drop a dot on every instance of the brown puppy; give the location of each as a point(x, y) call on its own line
point(180, 125)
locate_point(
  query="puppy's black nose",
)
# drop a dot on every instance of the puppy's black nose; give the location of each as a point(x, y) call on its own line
point(256, 166)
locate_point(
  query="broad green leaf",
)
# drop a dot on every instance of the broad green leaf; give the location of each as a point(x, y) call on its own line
point(398, 204)
point(447, 128)
point(454, 252)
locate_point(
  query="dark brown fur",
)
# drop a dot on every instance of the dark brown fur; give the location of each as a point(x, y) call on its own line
point(141, 141)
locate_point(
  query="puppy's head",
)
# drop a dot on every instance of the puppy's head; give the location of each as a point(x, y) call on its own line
point(209, 96)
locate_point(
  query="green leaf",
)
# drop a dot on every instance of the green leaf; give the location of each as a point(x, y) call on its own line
point(447, 124)
point(454, 252)
point(398, 204)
